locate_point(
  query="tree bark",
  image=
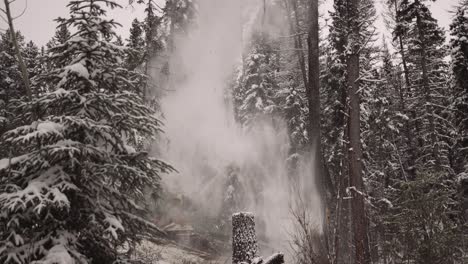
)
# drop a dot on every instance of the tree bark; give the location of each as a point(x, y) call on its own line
point(358, 213)
point(322, 180)
point(244, 240)
point(409, 139)
point(313, 89)
point(24, 71)
point(294, 26)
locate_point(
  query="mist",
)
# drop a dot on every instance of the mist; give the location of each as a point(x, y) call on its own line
point(206, 144)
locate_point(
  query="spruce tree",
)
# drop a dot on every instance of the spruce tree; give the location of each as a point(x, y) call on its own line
point(421, 137)
point(32, 59)
point(71, 180)
point(62, 34)
point(11, 84)
point(459, 53)
point(429, 92)
point(136, 44)
point(258, 85)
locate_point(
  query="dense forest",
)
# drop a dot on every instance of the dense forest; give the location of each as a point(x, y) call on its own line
point(347, 141)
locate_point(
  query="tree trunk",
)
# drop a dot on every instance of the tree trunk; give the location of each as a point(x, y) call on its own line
point(409, 139)
point(244, 240)
point(24, 71)
point(358, 213)
point(313, 89)
point(313, 95)
point(294, 28)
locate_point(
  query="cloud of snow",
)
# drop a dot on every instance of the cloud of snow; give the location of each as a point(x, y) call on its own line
point(203, 140)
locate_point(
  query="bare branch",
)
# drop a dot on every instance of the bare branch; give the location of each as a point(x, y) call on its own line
point(24, 10)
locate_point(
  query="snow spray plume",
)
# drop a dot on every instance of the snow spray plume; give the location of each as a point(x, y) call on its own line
point(205, 144)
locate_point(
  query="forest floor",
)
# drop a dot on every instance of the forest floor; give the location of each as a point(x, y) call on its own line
point(168, 251)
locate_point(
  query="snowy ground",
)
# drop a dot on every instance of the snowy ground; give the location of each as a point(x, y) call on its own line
point(171, 253)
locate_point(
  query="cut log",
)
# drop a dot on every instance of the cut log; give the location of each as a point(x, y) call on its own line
point(244, 240)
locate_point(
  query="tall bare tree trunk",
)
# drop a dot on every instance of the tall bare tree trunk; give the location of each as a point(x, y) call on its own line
point(294, 28)
point(409, 138)
point(24, 71)
point(313, 89)
point(358, 213)
point(314, 131)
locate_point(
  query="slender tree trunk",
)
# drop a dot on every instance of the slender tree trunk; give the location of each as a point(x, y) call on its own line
point(24, 71)
point(409, 138)
point(313, 89)
point(358, 213)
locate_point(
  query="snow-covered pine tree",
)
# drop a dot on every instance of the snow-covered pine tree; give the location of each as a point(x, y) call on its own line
point(136, 44)
point(11, 85)
point(335, 136)
point(32, 58)
point(258, 82)
point(429, 91)
point(336, 108)
point(407, 142)
point(151, 28)
point(62, 34)
point(294, 112)
point(421, 109)
point(459, 53)
point(11, 82)
point(179, 15)
point(71, 180)
point(422, 221)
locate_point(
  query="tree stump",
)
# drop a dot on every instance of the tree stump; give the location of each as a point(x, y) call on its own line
point(244, 240)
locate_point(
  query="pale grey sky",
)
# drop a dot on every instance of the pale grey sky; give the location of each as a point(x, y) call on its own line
point(37, 23)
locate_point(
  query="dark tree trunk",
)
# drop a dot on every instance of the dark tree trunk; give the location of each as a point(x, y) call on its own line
point(322, 179)
point(294, 27)
point(407, 130)
point(358, 213)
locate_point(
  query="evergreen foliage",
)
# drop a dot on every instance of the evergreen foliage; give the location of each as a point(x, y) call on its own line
point(70, 183)
point(258, 95)
point(459, 65)
point(136, 44)
point(11, 85)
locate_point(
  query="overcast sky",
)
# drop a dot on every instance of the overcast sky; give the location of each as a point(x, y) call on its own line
point(37, 23)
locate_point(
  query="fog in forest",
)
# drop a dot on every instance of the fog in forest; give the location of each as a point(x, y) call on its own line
point(206, 144)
